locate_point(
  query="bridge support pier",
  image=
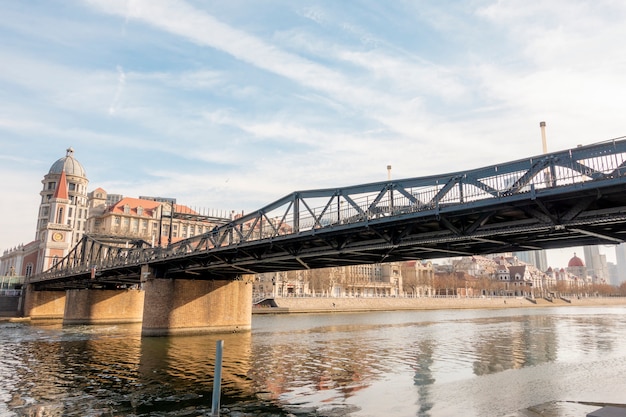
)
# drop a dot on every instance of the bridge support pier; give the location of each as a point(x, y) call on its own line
point(183, 306)
point(99, 306)
point(44, 305)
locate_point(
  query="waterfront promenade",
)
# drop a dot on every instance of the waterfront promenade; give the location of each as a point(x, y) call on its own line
point(359, 304)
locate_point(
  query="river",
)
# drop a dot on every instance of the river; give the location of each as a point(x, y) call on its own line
point(394, 364)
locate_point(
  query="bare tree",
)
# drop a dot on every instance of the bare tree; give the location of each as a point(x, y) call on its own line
point(445, 284)
point(320, 280)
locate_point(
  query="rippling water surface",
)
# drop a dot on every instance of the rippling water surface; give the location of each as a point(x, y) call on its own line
point(421, 363)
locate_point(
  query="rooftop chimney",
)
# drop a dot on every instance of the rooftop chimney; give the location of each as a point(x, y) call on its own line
point(542, 125)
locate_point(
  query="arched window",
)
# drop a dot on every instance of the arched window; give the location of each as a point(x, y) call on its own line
point(126, 209)
point(60, 215)
point(29, 269)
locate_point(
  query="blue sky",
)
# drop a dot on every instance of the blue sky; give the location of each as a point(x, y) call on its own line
point(231, 105)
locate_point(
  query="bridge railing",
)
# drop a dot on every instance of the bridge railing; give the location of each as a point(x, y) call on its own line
point(314, 211)
point(363, 203)
point(319, 209)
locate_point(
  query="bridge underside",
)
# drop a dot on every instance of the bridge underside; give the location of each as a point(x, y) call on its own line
point(585, 217)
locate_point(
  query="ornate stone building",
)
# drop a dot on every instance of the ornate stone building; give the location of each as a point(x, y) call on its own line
point(62, 211)
point(376, 280)
point(61, 218)
point(159, 221)
point(67, 212)
point(417, 278)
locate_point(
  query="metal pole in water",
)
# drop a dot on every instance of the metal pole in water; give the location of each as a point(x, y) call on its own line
point(217, 379)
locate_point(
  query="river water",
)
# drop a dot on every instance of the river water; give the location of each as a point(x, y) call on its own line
point(393, 364)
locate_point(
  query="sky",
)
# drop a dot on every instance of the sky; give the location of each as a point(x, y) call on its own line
point(230, 105)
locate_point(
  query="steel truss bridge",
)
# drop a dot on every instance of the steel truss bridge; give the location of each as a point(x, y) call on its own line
point(567, 198)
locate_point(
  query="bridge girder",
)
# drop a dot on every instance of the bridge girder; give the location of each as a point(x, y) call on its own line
point(567, 198)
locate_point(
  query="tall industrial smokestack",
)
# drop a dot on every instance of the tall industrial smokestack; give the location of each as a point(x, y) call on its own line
point(542, 125)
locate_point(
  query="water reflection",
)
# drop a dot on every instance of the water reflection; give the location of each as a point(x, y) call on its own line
point(514, 344)
point(423, 376)
point(357, 365)
point(85, 370)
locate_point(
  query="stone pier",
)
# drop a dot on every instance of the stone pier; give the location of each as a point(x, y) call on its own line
point(44, 305)
point(99, 306)
point(182, 306)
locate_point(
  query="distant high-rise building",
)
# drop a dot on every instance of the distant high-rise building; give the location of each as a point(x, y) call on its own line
point(612, 270)
point(620, 257)
point(537, 258)
point(113, 199)
point(596, 264)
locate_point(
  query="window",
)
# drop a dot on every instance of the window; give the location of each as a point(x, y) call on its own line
point(126, 209)
point(140, 211)
point(52, 185)
point(29, 269)
point(72, 186)
point(69, 212)
point(60, 215)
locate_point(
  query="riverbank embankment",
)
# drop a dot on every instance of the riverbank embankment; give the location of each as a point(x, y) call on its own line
point(294, 305)
point(289, 305)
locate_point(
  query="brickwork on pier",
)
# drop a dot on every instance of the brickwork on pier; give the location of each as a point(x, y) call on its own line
point(179, 306)
point(95, 306)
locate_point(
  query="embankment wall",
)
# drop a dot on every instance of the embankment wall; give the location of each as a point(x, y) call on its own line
point(311, 305)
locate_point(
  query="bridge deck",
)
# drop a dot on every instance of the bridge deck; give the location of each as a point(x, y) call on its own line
point(567, 198)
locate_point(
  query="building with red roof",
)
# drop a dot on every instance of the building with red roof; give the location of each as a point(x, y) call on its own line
point(67, 212)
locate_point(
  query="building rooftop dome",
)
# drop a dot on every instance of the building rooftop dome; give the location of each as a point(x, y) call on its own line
point(575, 262)
point(69, 164)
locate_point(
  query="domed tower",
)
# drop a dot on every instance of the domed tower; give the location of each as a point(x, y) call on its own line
point(63, 210)
point(576, 267)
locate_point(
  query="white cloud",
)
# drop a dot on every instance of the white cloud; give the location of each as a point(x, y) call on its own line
point(205, 103)
point(119, 90)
